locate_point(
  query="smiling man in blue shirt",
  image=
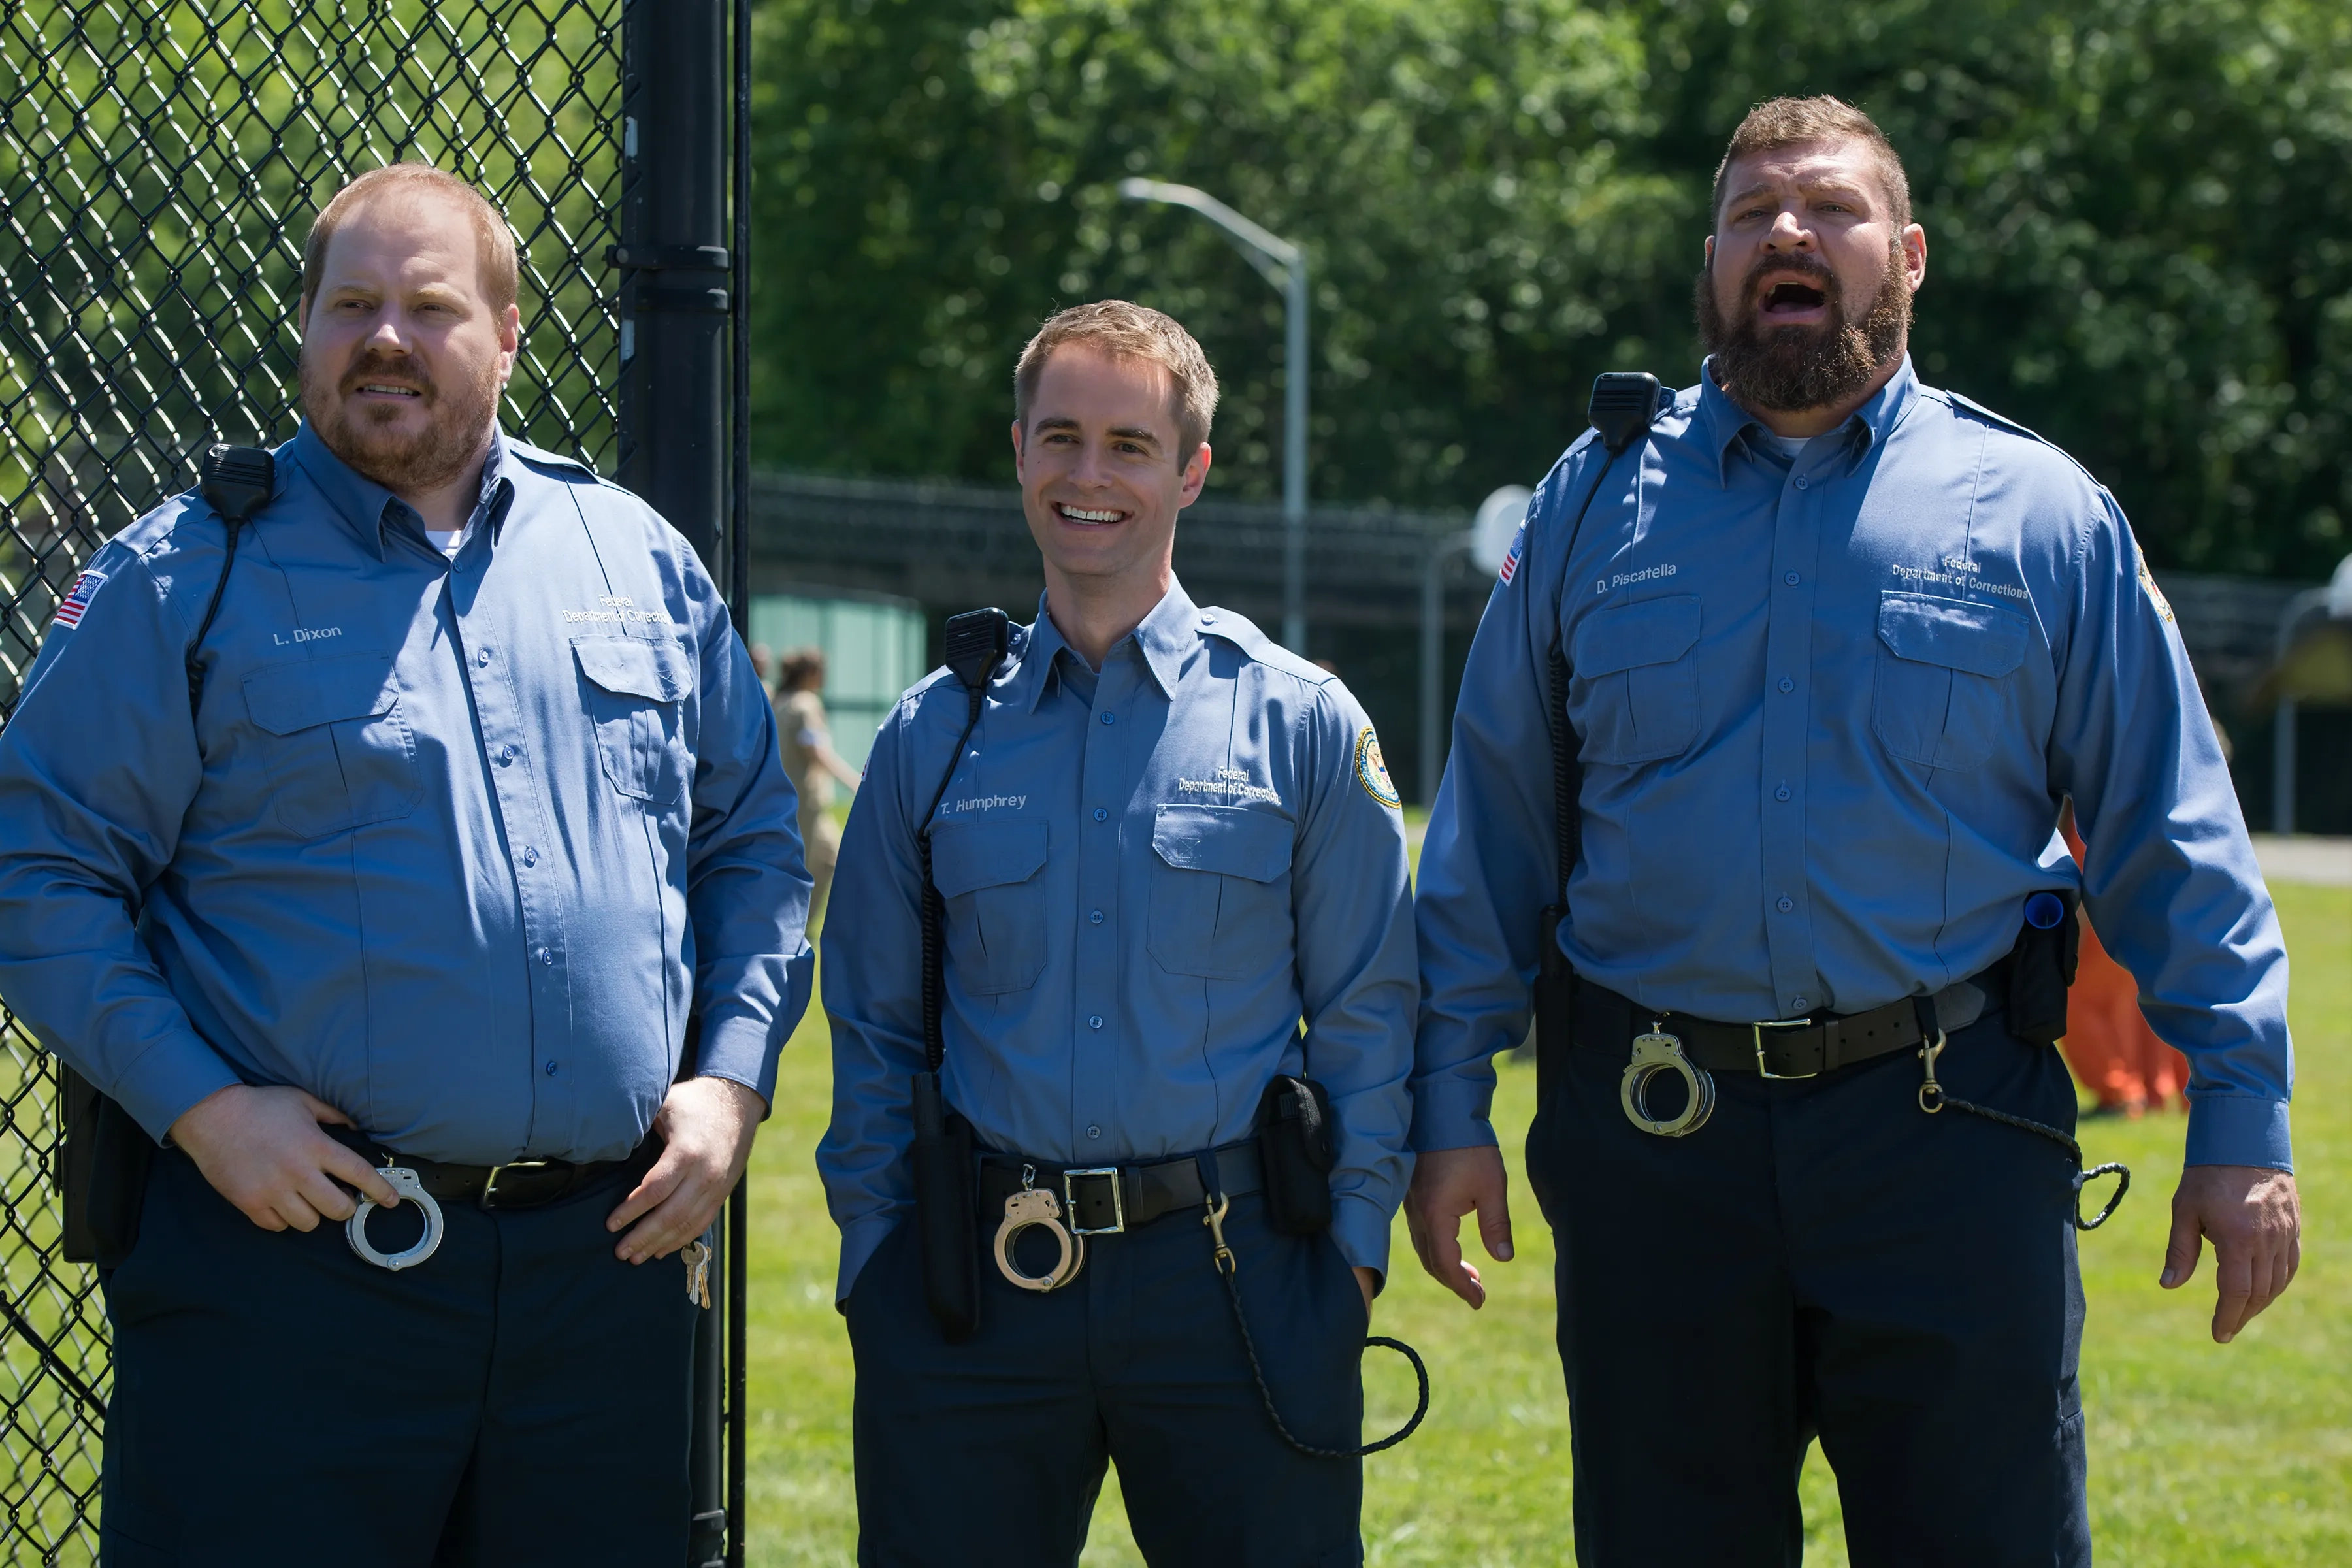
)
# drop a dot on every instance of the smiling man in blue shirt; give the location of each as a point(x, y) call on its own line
point(478, 804)
point(1837, 645)
point(1165, 842)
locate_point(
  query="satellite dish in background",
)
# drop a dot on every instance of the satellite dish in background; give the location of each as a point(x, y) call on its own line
point(1499, 516)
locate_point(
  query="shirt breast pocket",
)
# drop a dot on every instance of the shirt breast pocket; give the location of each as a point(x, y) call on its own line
point(987, 875)
point(340, 753)
point(1219, 891)
point(636, 688)
point(1944, 695)
point(1635, 695)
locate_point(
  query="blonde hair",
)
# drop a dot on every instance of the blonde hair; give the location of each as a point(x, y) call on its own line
point(1779, 122)
point(1126, 331)
point(494, 241)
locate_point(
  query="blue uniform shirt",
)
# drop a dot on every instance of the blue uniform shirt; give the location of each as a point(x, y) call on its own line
point(454, 846)
point(1827, 708)
point(1150, 875)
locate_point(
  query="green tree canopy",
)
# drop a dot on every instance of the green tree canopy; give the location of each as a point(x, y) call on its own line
point(2137, 212)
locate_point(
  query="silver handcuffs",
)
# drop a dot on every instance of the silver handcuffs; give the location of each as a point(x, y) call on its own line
point(404, 1181)
point(1658, 1052)
point(1031, 1207)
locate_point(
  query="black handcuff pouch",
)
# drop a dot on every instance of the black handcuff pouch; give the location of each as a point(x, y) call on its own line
point(1297, 1147)
point(2040, 968)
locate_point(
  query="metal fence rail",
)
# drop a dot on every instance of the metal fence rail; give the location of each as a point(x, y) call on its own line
point(159, 164)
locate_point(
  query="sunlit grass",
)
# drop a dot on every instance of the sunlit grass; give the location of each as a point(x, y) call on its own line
point(2199, 1455)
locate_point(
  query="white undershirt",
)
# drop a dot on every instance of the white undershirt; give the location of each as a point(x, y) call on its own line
point(1791, 447)
point(446, 541)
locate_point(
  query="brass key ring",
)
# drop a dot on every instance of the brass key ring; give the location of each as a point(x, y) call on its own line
point(1025, 1210)
point(1658, 1052)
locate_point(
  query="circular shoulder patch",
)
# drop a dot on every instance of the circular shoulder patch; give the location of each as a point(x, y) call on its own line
point(1372, 769)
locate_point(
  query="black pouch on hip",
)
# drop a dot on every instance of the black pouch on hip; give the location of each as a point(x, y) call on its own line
point(2041, 966)
point(105, 1159)
point(944, 1224)
point(1297, 1147)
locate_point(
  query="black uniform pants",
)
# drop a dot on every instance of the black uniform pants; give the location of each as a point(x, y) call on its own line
point(1821, 1258)
point(990, 1454)
point(520, 1397)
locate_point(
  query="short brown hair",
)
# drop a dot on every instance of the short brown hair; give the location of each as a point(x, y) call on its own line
point(802, 667)
point(1128, 332)
point(494, 241)
point(1793, 121)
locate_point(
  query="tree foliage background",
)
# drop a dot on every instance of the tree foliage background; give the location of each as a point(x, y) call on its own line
point(2140, 216)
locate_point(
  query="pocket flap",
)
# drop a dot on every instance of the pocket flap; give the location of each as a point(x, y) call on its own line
point(968, 856)
point(290, 697)
point(1650, 631)
point(1983, 640)
point(634, 667)
point(1235, 840)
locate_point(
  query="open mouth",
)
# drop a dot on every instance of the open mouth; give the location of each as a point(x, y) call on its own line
point(1792, 297)
point(387, 389)
point(1088, 517)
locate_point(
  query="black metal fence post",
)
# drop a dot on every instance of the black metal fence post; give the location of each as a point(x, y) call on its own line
point(675, 293)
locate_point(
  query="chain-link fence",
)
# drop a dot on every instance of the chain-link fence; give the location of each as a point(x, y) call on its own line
point(160, 164)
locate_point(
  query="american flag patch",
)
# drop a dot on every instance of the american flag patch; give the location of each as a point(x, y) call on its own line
point(70, 612)
point(1511, 559)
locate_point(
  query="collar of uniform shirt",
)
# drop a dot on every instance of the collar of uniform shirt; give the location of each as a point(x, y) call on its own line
point(1723, 421)
point(361, 503)
point(1165, 638)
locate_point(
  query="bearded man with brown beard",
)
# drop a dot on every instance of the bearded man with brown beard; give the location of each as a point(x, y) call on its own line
point(1812, 654)
point(371, 844)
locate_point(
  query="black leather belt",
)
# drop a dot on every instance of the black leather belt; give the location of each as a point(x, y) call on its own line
point(1103, 1200)
point(1793, 1048)
point(519, 1184)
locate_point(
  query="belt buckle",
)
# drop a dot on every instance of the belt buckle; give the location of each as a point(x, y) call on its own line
point(1118, 1225)
point(490, 1183)
point(1758, 1031)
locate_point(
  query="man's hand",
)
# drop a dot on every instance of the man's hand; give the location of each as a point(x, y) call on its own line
point(706, 1126)
point(261, 1149)
point(2256, 1225)
point(1446, 1184)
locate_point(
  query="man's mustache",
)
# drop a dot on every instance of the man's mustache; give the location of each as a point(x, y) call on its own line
point(401, 372)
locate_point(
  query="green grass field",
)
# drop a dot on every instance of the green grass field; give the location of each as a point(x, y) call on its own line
point(2199, 1455)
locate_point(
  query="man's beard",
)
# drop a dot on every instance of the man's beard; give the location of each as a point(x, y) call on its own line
point(1785, 369)
point(457, 422)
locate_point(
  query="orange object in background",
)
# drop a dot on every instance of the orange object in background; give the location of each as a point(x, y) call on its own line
point(2108, 1044)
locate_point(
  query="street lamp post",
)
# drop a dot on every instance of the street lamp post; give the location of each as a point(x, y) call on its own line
point(1284, 265)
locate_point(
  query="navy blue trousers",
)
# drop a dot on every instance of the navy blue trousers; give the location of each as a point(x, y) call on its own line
point(993, 1452)
point(519, 1398)
point(1821, 1258)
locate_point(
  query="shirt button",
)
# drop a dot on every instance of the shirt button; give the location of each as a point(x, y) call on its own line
point(1110, 717)
point(551, 1069)
point(1800, 481)
point(483, 657)
point(506, 755)
point(546, 956)
point(1787, 903)
point(1100, 815)
point(1780, 794)
point(1094, 1021)
point(1801, 1002)
point(1789, 578)
point(1207, 620)
point(1094, 1132)
point(1787, 684)
point(1094, 917)
point(530, 854)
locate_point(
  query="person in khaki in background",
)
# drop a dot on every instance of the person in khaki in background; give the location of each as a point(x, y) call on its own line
point(1826, 648)
point(812, 764)
point(409, 890)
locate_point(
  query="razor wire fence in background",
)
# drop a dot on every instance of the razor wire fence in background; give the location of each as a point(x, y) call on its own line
point(160, 164)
